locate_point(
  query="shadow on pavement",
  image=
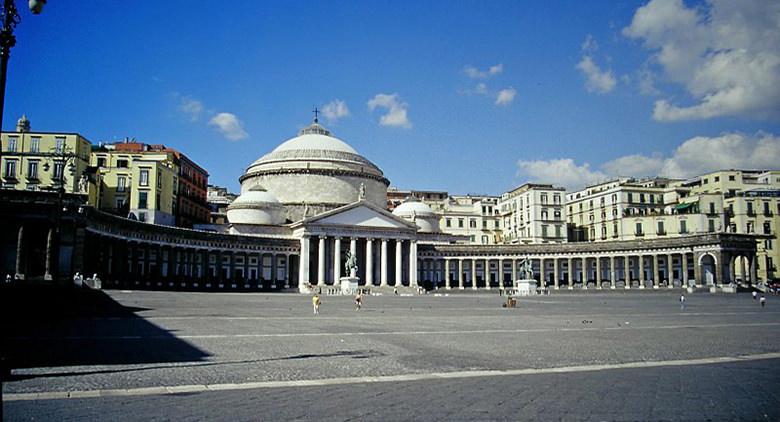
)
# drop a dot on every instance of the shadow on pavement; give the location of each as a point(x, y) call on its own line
point(60, 326)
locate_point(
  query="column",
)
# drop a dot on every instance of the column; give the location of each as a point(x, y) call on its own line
point(487, 273)
point(473, 274)
point(447, 274)
point(754, 269)
point(383, 264)
point(571, 273)
point(719, 268)
point(627, 272)
point(19, 253)
point(49, 254)
point(514, 271)
point(641, 272)
point(337, 261)
point(684, 262)
point(697, 275)
point(669, 272)
point(584, 272)
point(460, 274)
point(542, 279)
point(303, 265)
point(413, 263)
point(399, 280)
point(743, 268)
point(369, 262)
point(598, 272)
point(656, 271)
point(612, 272)
point(273, 269)
point(732, 270)
point(556, 277)
point(320, 263)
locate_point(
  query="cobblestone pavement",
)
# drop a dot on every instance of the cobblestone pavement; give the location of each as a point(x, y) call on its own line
point(251, 341)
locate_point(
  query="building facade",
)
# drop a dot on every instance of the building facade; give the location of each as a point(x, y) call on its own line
point(534, 213)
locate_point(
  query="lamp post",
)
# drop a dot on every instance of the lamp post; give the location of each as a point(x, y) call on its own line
point(10, 18)
point(62, 159)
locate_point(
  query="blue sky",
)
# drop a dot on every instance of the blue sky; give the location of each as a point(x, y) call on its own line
point(578, 92)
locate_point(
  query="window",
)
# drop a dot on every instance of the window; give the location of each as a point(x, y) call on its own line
point(638, 231)
point(641, 198)
point(159, 182)
point(767, 228)
point(495, 224)
point(712, 208)
point(661, 228)
point(121, 164)
point(557, 199)
point(10, 169)
point(58, 171)
point(59, 145)
point(544, 214)
point(142, 217)
point(35, 144)
point(717, 179)
point(157, 202)
point(731, 178)
point(750, 208)
point(544, 198)
point(473, 223)
point(11, 145)
point(767, 212)
point(121, 183)
point(142, 200)
point(768, 245)
point(460, 223)
point(630, 198)
point(143, 179)
point(603, 232)
point(652, 198)
point(544, 230)
point(484, 224)
point(614, 230)
point(120, 203)
point(683, 226)
point(32, 170)
point(448, 222)
point(711, 225)
point(705, 181)
point(558, 231)
point(101, 162)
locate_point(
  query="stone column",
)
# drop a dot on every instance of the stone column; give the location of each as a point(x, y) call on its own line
point(19, 253)
point(627, 272)
point(753, 269)
point(697, 273)
point(320, 262)
point(49, 254)
point(413, 263)
point(383, 264)
point(461, 285)
point(473, 274)
point(500, 274)
point(584, 272)
point(612, 272)
point(337, 261)
point(656, 271)
point(542, 279)
point(486, 273)
point(669, 271)
point(303, 267)
point(684, 262)
point(598, 272)
point(718, 268)
point(571, 273)
point(556, 277)
point(447, 274)
point(641, 272)
point(732, 270)
point(273, 269)
point(399, 279)
point(514, 271)
point(369, 262)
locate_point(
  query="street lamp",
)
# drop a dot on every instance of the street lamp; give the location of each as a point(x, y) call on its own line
point(62, 159)
point(10, 17)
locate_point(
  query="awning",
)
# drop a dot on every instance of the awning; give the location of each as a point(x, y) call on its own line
point(680, 207)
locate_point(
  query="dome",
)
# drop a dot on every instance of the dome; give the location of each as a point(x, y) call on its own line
point(413, 207)
point(256, 206)
point(420, 214)
point(315, 172)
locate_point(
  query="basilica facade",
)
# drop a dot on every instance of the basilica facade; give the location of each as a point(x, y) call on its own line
point(304, 208)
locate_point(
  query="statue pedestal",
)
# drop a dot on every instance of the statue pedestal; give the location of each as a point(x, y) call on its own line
point(349, 285)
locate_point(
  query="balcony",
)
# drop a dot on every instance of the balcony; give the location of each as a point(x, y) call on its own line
point(639, 234)
point(768, 213)
point(751, 213)
point(661, 233)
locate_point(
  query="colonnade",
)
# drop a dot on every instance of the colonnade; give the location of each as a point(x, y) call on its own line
point(607, 270)
point(396, 258)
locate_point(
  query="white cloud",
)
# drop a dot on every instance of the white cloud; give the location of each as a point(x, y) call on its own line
point(481, 88)
point(596, 80)
point(725, 53)
point(589, 45)
point(474, 73)
point(695, 156)
point(505, 96)
point(335, 110)
point(191, 107)
point(560, 172)
point(396, 110)
point(229, 126)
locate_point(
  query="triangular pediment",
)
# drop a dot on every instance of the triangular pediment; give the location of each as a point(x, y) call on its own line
point(359, 214)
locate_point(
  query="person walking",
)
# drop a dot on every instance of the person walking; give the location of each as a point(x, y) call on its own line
point(315, 302)
point(358, 300)
point(755, 295)
point(682, 302)
point(763, 301)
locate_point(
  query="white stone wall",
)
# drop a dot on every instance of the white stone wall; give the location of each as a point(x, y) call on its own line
point(256, 216)
point(318, 188)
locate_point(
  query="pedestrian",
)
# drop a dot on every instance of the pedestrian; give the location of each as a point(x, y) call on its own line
point(395, 290)
point(315, 302)
point(358, 300)
point(682, 302)
point(755, 295)
point(763, 301)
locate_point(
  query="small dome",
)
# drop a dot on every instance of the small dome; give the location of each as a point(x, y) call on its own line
point(315, 137)
point(413, 206)
point(256, 206)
